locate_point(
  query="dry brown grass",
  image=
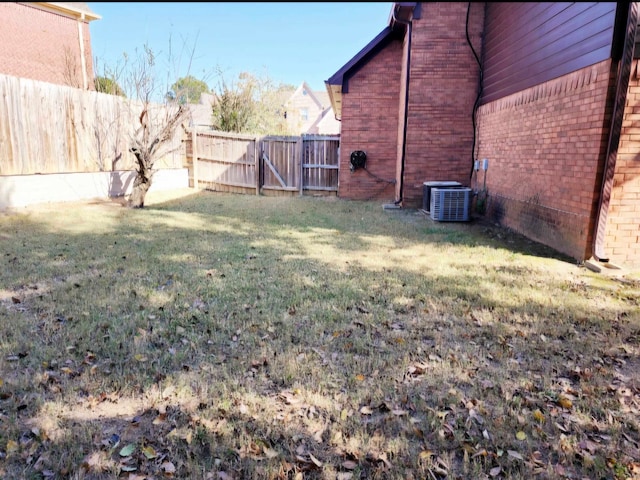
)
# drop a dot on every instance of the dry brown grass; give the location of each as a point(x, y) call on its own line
point(217, 336)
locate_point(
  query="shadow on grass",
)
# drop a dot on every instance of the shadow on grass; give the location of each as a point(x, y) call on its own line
point(221, 338)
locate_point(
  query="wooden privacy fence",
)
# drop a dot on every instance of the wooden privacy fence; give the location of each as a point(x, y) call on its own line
point(47, 128)
point(278, 165)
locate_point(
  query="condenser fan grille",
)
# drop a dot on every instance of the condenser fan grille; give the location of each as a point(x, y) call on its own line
point(450, 204)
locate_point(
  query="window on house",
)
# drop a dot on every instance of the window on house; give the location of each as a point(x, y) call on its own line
point(304, 114)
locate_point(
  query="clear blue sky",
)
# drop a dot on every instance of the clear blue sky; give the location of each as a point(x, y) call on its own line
point(290, 42)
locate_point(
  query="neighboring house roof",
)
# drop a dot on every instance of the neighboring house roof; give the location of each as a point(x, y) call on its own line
point(338, 83)
point(323, 97)
point(318, 105)
point(305, 87)
point(78, 10)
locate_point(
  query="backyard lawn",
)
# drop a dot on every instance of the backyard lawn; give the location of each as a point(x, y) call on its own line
point(221, 336)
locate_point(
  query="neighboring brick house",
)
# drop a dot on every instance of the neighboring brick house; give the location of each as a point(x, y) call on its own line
point(47, 41)
point(309, 111)
point(532, 87)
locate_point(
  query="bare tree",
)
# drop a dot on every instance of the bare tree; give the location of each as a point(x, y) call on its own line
point(157, 123)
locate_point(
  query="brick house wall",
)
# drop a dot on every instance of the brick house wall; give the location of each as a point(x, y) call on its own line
point(43, 45)
point(622, 240)
point(370, 123)
point(442, 91)
point(537, 136)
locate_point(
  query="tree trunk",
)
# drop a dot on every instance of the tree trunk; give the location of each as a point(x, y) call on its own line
point(141, 186)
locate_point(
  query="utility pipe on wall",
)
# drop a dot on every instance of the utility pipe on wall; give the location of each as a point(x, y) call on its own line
point(478, 97)
point(83, 62)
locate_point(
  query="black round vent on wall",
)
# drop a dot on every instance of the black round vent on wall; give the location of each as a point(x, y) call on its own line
point(358, 159)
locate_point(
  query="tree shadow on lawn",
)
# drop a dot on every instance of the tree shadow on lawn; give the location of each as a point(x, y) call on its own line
point(220, 350)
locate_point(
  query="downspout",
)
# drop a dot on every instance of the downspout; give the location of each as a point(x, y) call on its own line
point(406, 106)
point(478, 97)
point(83, 63)
point(622, 85)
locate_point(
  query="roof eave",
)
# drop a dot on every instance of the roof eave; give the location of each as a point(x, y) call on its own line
point(361, 57)
point(335, 97)
point(338, 82)
point(400, 14)
point(69, 10)
point(402, 11)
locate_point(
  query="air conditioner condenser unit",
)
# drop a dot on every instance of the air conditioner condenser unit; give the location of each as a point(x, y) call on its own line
point(450, 204)
point(426, 192)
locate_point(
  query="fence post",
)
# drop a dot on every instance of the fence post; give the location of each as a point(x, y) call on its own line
point(301, 153)
point(194, 156)
point(256, 156)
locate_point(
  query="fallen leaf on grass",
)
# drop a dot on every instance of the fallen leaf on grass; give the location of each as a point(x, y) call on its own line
point(349, 464)
point(289, 397)
point(127, 450)
point(514, 454)
point(160, 419)
point(12, 446)
point(521, 435)
point(270, 452)
point(366, 410)
point(417, 369)
point(149, 452)
point(425, 454)
point(315, 460)
point(565, 402)
point(495, 471)
point(68, 371)
point(92, 462)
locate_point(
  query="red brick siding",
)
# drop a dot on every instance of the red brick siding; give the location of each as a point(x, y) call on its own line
point(545, 147)
point(443, 86)
point(33, 44)
point(370, 123)
point(622, 240)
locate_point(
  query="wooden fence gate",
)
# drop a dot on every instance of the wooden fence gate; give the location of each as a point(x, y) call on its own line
point(320, 162)
point(269, 165)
